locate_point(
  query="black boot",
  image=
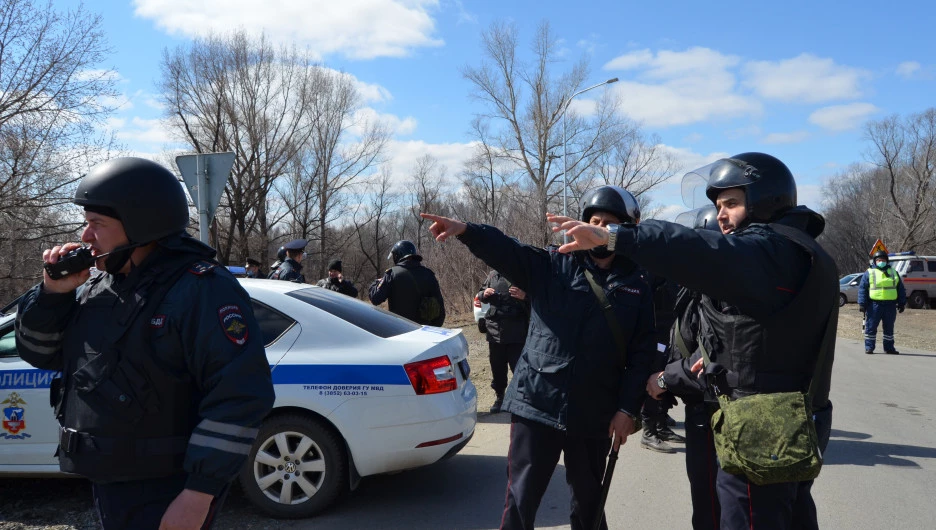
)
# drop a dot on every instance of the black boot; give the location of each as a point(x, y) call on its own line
point(667, 435)
point(652, 441)
point(498, 403)
point(892, 352)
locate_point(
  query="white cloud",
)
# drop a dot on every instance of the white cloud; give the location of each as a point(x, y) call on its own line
point(809, 195)
point(908, 68)
point(680, 88)
point(805, 78)
point(371, 93)
point(400, 126)
point(692, 138)
point(402, 157)
point(842, 117)
point(359, 29)
point(142, 131)
point(786, 138)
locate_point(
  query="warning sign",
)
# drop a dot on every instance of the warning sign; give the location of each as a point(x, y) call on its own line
point(878, 245)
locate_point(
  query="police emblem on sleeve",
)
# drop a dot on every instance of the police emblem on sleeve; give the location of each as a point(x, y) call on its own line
point(233, 323)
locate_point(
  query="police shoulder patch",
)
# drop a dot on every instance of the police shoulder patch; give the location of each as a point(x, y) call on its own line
point(202, 267)
point(233, 323)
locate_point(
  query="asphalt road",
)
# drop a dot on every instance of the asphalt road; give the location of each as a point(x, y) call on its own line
point(880, 469)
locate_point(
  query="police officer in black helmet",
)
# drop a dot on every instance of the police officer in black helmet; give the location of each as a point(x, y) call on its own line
point(164, 376)
point(574, 392)
point(410, 288)
point(768, 310)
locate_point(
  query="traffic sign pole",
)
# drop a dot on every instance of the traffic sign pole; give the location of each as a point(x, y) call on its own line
point(205, 176)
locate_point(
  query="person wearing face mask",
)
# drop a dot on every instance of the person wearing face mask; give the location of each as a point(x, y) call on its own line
point(881, 295)
point(579, 383)
point(163, 376)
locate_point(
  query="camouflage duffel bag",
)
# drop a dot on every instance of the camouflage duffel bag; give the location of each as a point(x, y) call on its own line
point(769, 438)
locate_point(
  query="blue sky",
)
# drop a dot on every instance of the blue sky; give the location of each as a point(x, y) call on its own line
point(794, 79)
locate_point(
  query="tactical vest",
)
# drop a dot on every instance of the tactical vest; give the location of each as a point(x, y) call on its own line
point(883, 284)
point(776, 354)
point(124, 416)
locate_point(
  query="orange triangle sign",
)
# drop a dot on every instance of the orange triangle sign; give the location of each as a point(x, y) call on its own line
point(878, 245)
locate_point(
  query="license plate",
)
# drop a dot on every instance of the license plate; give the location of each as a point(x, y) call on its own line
point(465, 369)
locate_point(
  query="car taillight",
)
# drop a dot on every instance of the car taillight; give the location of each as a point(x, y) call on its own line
point(432, 376)
point(477, 302)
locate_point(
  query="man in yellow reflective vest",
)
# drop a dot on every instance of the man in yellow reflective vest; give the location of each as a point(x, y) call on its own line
point(881, 296)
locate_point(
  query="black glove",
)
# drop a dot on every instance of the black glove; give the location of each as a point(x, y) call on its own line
point(862, 308)
point(900, 309)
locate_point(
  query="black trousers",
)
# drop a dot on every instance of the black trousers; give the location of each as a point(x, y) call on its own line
point(788, 505)
point(531, 460)
point(501, 356)
point(701, 467)
point(141, 504)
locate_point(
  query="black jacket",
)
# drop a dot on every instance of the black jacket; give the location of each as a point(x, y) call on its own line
point(405, 286)
point(755, 272)
point(507, 318)
point(289, 270)
point(344, 286)
point(570, 375)
point(191, 367)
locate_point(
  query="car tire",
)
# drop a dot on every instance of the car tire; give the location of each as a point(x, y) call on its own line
point(917, 300)
point(270, 479)
point(482, 325)
point(842, 300)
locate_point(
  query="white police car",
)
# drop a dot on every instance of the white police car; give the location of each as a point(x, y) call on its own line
point(359, 392)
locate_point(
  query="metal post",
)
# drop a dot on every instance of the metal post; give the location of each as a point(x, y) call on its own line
point(565, 156)
point(201, 169)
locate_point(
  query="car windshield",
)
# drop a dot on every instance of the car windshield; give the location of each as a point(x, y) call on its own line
point(365, 316)
point(846, 279)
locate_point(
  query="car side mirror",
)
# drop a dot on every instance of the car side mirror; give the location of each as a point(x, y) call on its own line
point(853, 282)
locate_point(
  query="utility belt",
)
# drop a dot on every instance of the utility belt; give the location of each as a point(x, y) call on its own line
point(76, 442)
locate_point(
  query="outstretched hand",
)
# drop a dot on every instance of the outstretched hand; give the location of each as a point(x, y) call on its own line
point(443, 228)
point(584, 236)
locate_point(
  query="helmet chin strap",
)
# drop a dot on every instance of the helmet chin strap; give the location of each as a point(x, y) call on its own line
point(117, 258)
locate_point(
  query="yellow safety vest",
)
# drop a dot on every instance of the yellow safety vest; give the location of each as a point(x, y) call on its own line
point(882, 287)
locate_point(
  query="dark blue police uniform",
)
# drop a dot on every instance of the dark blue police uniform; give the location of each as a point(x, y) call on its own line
point(571, 379)
point(164, 379)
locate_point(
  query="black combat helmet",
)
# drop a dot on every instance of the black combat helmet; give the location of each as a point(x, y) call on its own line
point(612, 199)
point(145, 196)
point(880, 254)
point(402, 250)
point(768, 185)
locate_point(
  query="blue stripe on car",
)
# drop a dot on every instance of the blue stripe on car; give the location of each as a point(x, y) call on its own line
point(288, 374)
point(340, 374)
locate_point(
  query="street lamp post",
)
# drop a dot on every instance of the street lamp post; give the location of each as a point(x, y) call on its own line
point(565, 156)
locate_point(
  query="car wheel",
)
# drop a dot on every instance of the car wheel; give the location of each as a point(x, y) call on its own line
point(917, 300)
point(296, 468)
point(842, 300)
point(482, 325)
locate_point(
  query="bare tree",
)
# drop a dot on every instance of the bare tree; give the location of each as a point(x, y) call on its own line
point(52, 94)
point(427, 194)
point(524, 105)
point(344, 145)
point(242, 94)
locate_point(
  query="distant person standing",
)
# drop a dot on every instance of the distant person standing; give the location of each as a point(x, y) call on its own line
point(410, 288)
point(336, 282)
point(291, 268)
point(881, 295)
point(507, 320)
point(253, 268)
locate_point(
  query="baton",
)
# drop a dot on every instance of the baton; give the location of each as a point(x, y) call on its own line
point(605, 486)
